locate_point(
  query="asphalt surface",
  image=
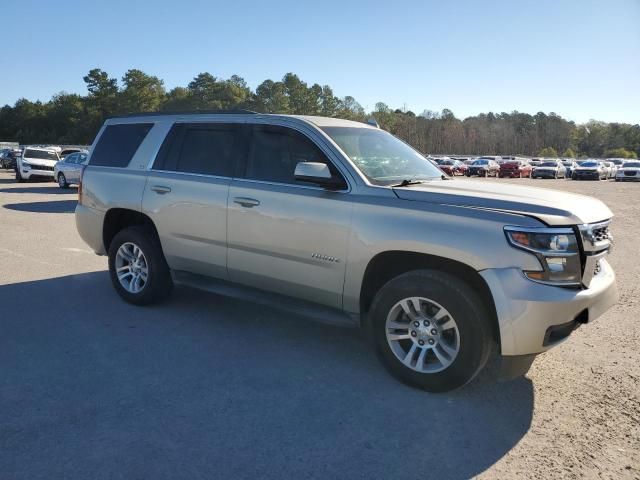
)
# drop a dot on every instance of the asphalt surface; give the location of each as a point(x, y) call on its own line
point(208, 387)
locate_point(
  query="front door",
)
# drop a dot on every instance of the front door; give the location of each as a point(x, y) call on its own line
point(186, 195)
point(283, 235)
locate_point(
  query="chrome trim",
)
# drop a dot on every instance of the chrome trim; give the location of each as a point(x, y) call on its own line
point(295, 185)
point(191, 174)
point(589, 243)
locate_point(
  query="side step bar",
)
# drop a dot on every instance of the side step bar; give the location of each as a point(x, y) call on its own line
point(304, 308)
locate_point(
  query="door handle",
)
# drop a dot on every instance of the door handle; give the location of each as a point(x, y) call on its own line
point(160, 190)
point(246, 202)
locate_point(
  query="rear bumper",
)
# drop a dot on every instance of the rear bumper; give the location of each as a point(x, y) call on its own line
point(535, 317)
point(89, 223)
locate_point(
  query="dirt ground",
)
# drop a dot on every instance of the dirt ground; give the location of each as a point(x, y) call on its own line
point(209, 387)
point(586, 421)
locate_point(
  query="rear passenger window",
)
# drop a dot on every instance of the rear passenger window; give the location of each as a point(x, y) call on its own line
point(275, 152)
point(208, 149)
point(119, 143)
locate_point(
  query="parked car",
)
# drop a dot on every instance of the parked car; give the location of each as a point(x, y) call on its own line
point(483, 168)
point(68, 151)
point(534, 162)
point(36, 162)
point(67, 171)
point(265, 208)
point(611, 169)
point(629, 172)
point(515, 168)
point(453, 167)
point(590, 170)
point(8, 158)
point(550, 169)
point(570, 166)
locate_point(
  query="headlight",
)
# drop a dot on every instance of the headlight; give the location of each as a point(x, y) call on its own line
point(26, 164)
point(556, 249)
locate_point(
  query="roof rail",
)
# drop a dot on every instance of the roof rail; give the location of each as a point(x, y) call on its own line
point(186, 112)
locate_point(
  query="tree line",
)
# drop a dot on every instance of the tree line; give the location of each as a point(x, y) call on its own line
point(69, 118)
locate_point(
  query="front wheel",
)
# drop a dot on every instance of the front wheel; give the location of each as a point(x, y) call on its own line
point(19, 177)
point(431, 330)
point(138, 269)
point(62, 181)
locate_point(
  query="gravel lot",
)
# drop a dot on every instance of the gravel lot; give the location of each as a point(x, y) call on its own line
point(208, 387)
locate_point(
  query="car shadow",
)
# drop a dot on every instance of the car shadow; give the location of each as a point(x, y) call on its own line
point(54, 206)
point(48, 189)
point(207, 386)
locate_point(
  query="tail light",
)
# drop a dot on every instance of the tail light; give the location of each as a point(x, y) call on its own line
point(80, 185)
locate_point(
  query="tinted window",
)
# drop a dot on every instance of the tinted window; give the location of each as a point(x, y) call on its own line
point(119, 143)
point(275, 151)
point(73, 158)
point(207, 151)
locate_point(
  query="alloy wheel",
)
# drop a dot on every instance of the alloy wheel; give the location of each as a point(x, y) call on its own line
point(132, 268)
point(422, 334)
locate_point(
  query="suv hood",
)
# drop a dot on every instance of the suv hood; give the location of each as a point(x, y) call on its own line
point(550, 206)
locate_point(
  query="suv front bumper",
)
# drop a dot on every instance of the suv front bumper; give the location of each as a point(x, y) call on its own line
point(535, 317)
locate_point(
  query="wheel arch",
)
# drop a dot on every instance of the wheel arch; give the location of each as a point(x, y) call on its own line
point(117, 219)
point(387, 265)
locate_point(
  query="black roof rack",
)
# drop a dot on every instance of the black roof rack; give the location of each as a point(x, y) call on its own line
point(186, 112)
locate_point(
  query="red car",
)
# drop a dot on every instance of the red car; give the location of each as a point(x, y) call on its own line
point(515, 169)
point(453, 167)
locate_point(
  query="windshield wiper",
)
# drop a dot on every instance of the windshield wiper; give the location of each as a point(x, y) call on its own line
point(412, 181)
point(407, 181)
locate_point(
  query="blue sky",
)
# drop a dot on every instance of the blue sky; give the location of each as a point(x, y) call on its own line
point(578, 58)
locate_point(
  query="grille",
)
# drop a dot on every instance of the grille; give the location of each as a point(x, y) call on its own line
point(42, 167)
point(630, 174)
point(601, 234)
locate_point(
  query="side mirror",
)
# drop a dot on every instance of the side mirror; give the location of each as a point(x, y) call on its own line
point(318, 174)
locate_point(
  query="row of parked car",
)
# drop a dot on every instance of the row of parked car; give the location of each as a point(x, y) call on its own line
point(56, 163)
point(518, 167)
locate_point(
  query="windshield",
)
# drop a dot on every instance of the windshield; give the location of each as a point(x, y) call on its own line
point(40, 154)
point(567, 164)
point(631, 165)
point(480, 162)
point(380, 156)
point(589, 164)
point(548, 164)
point(449, 162)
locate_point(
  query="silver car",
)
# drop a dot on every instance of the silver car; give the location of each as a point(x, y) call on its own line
point(343, 222)
point(67, 171)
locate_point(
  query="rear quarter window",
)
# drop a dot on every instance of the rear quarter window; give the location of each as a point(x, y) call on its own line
point(118, 144)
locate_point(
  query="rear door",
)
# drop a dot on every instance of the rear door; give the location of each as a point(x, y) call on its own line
point(186, 195)
point(286, 236)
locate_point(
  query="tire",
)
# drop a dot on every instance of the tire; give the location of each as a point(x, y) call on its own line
point(158, 283)
point(460, 303)
point(62, 181)
point(19, 177)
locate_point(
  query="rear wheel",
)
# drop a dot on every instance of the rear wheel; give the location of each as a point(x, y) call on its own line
point(431, 330)
point(138, 269)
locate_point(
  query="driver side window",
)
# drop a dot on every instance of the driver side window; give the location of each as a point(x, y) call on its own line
point(274, 153)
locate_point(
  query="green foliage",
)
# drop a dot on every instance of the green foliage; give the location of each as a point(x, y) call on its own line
point(71, 118)
point(548, 152)
point(620, 153)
